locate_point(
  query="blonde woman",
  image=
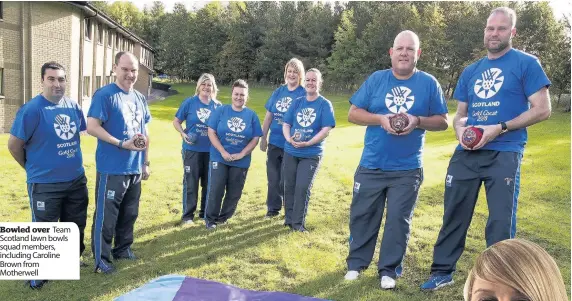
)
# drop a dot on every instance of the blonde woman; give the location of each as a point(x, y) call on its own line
point(306, 126)
point(195, 112)
point(515, 269)
point(276, 107)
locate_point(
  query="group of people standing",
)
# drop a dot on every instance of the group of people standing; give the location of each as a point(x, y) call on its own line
point(502, 94)
point(218, 141)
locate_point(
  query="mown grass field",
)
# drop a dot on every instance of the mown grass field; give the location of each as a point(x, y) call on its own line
point(254, 253)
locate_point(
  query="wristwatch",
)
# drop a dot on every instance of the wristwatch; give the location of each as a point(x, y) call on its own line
point(148, 163)
point(503, 126)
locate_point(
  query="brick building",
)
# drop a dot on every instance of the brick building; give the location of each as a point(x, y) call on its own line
point(75, 34)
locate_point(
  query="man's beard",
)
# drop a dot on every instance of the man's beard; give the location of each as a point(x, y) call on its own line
point(501, 46)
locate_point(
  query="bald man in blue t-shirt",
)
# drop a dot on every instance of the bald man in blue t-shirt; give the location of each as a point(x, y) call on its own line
point(502, 93)
point(391, 167)
point(118, 115)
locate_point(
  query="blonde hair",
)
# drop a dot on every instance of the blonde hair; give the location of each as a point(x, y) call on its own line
point(509, 12)
point(299, 67)
point(319, 75)
point(203, 78)
point(522, 265)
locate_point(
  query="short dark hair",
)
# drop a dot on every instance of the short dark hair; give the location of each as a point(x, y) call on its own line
point(120, 54)
point(241, 83)
point(51, 65)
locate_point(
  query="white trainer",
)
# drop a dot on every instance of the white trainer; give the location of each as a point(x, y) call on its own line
point(351, 275)
point(189, 222)
point(387, 283)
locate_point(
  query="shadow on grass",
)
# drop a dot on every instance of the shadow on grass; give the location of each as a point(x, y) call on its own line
point(183, 248)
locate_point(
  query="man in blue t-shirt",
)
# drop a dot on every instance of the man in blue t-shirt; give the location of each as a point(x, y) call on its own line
point(502, 93)
point(391, 164)
point(45, 141)
point(118, 117)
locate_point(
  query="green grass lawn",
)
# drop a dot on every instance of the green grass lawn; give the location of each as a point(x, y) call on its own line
point(254, 253)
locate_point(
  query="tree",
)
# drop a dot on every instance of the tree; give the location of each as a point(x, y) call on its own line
point(238, 55)
point(343, 64)
point(206, 40)
point(174, 41)
point(278, 42)
point(126, 14)
point(315, 26)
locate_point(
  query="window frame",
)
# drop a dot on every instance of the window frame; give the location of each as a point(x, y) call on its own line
point(88, 32)
point(86, 90)
point(100, 33)
point(2, 76)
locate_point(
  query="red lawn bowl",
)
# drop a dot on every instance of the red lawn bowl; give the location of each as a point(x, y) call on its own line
point(472, 136)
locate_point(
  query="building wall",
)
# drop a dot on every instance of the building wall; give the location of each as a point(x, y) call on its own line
point(73, 72)
point(32, 33)
point(51, 28)
point(142, 83)
point(11, 62)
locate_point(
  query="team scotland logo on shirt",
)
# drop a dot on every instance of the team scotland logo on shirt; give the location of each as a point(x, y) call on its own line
point(489, 84)
point(283, 104)
point(399, 100)
point(236, 124)
point(65, 128)
point(131, 115)
point(306, 117)
point(203, 114)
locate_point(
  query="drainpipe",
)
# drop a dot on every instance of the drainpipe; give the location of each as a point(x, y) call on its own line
point(81, 39)
point(23, 53)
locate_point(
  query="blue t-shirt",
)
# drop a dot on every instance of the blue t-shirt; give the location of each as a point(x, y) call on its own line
point(306, 120)
point(498, 90)
point(122, 114)
point(51, 134)
point(196, 114)
point(382, 93)
point(277, 105)
point(234, 130)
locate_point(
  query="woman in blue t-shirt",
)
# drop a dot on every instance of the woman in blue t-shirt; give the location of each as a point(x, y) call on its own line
point(276, 107)
point(234, 131)
point(307, 123)
point(195, 112)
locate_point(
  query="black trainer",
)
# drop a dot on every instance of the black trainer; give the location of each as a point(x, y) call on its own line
point(271, 214)
point(36, 284)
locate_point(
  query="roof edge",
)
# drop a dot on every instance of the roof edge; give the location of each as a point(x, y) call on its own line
point(101, 16)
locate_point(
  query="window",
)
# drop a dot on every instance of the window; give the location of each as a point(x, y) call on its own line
point(98, 82)
point(109, 38)
point(1, 78)
point(1, 13)
point(100, 33)
point(117, 40)
point(86, 86)
point(88, 29)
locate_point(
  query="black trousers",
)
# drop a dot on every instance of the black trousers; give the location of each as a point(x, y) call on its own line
point(116, 210)
point(64, 202)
